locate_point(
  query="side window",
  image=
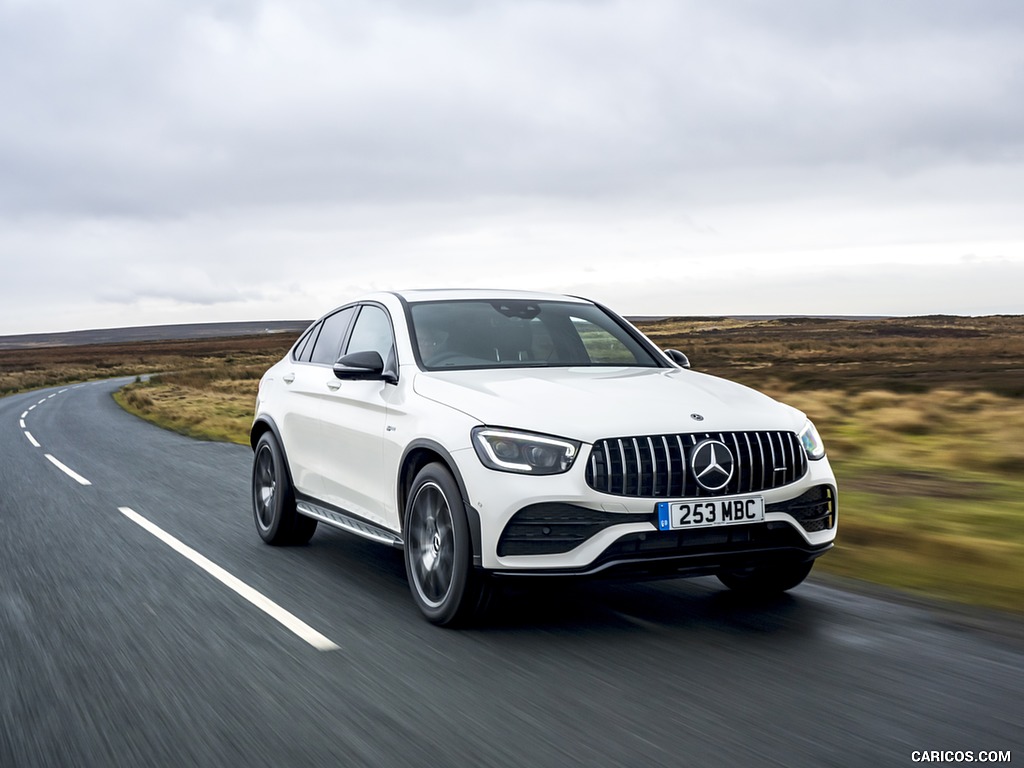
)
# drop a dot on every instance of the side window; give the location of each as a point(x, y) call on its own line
point(372, 332)
point(327, 348)
point(304, 346)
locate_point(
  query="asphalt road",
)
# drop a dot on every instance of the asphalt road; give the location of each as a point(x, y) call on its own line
point(126, 641)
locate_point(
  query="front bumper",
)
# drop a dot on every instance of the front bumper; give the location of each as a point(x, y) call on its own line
point(592, 533)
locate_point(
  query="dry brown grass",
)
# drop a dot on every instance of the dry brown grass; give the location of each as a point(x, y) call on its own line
point(923, 419)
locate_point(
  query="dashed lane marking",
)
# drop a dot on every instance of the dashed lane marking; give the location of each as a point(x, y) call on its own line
point(64, 468)
point(31, 439)
point(265, 604)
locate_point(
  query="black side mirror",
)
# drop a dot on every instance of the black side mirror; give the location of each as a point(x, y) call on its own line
point(678, 358)
point(360, 365)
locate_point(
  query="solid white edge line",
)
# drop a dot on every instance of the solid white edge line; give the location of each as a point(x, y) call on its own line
point(265, 604)
point(66, 470)
point(32, 439)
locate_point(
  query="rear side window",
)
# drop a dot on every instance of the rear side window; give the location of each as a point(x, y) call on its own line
point(327, 348)
point(304, 346)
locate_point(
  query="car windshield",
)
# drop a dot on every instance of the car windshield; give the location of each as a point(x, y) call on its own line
point(519, 333)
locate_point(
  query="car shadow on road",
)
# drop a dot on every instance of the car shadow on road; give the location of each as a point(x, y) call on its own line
point(647, 606)
point(572, 605)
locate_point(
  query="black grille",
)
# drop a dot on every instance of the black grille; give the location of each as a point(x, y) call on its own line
point(658, 466)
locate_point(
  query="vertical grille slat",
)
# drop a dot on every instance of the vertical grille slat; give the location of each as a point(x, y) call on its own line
point(668, 466)
point(658, 466)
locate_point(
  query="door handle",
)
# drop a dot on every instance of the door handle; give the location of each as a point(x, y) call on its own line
point(288, 378)
point(334, 386)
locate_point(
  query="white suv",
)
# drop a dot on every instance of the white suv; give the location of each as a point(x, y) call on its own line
point(494, 434)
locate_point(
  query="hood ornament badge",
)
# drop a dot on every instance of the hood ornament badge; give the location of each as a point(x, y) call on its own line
point(696, 417)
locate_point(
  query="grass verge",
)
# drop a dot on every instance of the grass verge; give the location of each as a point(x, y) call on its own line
point(931, 495)
point(922, 418)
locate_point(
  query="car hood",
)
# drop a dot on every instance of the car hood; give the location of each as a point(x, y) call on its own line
point(591, 403)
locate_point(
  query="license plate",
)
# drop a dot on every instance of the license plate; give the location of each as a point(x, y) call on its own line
point(703, 513)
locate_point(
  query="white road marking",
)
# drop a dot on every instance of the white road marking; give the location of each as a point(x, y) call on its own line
point(63, 391)
point(31, 408)
point(21, 422)
point(41, 401)
point(49, 397)
point(66, 470)
point(24, 414)
point(265, 604)
point(30, 438)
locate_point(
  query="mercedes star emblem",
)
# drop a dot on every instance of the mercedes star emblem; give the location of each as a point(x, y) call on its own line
point(712, 464)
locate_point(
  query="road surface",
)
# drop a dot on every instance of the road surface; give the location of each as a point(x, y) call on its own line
point(144, 623)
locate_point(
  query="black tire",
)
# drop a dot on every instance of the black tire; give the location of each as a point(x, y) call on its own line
point(438, 550)
point(768, 579)
point(273, 500)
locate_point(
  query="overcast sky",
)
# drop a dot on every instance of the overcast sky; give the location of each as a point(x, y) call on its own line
point(186, 161)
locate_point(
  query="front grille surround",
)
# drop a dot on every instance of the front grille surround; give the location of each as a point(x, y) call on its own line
point(658, 466)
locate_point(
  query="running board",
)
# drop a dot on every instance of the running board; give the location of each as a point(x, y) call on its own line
point(351, 524)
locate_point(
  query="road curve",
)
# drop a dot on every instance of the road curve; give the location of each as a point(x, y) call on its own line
point(143, 623)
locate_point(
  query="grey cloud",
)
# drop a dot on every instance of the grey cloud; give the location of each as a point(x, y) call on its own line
point(166, 110)
point(190, 158)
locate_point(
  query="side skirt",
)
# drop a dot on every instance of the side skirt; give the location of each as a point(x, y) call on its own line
point(338, 519)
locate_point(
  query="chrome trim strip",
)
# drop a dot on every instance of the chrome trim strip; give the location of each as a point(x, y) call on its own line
point(639, 468)
point(350, 524)
point(668, 466)
point(682, 465)
point(750, 464)
point(792, 453)
point(654, 467)
point(738, 462)
point(607, 465)
point(622, 473)
point(760, 448)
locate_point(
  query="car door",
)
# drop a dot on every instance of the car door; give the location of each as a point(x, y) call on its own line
point(306, 383)
point(353, 420)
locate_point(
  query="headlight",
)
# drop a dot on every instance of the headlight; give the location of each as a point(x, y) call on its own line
point(523, 452)
point(811, 441)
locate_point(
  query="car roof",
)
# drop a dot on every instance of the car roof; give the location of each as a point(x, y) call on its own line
point(468, 294)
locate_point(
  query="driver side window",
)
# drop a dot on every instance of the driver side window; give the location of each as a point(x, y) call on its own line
point(372, 332)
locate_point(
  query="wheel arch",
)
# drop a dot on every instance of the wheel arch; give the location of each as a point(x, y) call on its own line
point(260, 427)
point(419, 454)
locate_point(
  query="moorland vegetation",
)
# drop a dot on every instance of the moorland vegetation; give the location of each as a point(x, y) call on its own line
point(923, 419)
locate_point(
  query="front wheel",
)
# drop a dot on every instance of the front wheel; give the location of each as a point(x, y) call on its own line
point(767, 579)
point(438, 549)
point(273, 501)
